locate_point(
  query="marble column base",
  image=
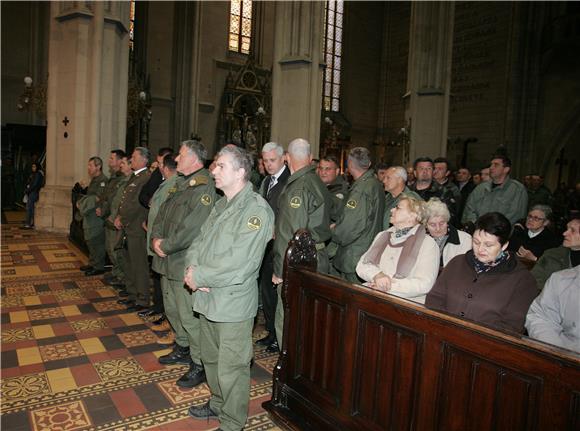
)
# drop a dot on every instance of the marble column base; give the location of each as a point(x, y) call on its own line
point(54, 209)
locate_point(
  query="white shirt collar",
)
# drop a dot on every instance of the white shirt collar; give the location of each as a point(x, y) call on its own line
point(277, 174)
point(138, 171)
point(534, 234)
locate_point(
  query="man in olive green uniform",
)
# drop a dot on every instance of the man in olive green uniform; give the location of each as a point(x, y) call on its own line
point(329, 173)
point(93, 226)
point(303, 204)
point(117, 277)
point(395, 184)
point(119, 261)
point(223, 264)
point(175, 228)
point(361, 218)
point(130, 220)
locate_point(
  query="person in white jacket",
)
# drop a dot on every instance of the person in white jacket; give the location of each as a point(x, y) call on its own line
point(402, 260)
point(451, 241)
point(554, 316)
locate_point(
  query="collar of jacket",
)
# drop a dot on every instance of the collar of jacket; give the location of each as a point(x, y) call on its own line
point(364, 177)
point(238, 199)
point(300, 173)
point(184, 179)
point(453, 237)
point(488, 184)
point(503, 268)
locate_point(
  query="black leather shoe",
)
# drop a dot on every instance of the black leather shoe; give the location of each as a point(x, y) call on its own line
point(179, 355)
point(125, 302)
point(202, 412)
point(136, 308)
point(267, 340)
point(94, 272)
point(146, 313)
point(86, 268)
point(273, 348)
point(194, 376)
point(123, 293)
point(159, 321)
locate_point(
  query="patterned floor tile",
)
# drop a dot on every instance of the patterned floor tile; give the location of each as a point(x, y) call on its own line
point(88, 325)
point(11, 301)
point(21, 387)
point(54, 352)
point(138, 338)
point(177, 395)
point(64, 417)
point(108, 306)
point(13, 335)
point(68, 295)
point(45, 313)
point(118, 368)
point(22, 290)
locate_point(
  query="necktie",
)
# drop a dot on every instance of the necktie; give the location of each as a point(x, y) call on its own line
point(271, 185)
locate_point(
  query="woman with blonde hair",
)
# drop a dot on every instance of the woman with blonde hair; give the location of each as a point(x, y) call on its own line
point(402, 260)
point(451, 241)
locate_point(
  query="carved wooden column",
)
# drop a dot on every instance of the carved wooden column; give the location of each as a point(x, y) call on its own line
point(87, 98)
point(297, 72)
point(429, 77)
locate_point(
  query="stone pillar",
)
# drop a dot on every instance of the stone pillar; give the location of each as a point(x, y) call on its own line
point(429, 77)
point(297, 72)
point(88, 58)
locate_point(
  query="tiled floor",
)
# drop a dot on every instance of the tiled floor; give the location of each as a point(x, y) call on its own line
point(73, 359)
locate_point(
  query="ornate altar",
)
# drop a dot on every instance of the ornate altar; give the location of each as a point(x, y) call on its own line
point(246, 108)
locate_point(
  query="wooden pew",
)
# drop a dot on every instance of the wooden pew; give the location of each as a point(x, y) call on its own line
point(357, 359)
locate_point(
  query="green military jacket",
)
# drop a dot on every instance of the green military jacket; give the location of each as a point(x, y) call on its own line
point(510, 199)
point(553, 260)
point(304, 203)
point(391, 202)
point(180, 219)
point(132, 213)
point(116, 201)
point(227, 255)
point(110, 190)
point(361, 220)
point(165, 189)
point(339, 191)
point(92, 224)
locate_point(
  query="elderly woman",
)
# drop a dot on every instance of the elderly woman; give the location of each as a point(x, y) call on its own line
point(487, 284)
point(530, 242)
point(451, 242)
point(402, 260)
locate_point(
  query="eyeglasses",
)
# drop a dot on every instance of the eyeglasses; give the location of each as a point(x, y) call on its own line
point(534, 218)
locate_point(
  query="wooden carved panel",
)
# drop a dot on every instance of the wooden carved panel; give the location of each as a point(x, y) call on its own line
point(476, 394)
point(386, 374)
point(320, 345)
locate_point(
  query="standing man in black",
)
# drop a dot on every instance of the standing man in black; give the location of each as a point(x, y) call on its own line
point(270, 189)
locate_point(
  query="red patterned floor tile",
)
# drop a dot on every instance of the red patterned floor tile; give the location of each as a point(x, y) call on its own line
point(32, 368)
point(98, 357)
point(119, 353)
point(17, 345)
point(48, 299)
point(92, 334)
point(11, 372)
point(62, 329)
point(149, 362)
point(114, 322)
point(127, 403)
point(85, 374)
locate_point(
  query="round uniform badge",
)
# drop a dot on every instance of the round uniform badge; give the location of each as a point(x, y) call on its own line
point(340, 196)
point(295, 202)
point(351, 204)
point(192, 182)
point(205, 200)
point(254, 223)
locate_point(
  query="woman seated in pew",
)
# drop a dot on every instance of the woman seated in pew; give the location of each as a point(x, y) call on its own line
point(451, 241)
point(487, 284)
point(530, 241)
point(402, 260)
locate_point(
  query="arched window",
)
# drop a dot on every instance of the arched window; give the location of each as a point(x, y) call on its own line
point(240, 36)
point(332, 54)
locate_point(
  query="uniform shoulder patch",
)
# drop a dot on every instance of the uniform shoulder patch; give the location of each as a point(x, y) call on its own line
point(205, 199)
point(198, 180)
point(254, 223)
point(295, 202)
point(351, 203)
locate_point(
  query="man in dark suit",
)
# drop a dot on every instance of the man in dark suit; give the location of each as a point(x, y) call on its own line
point(270, 189)
point(130, 218)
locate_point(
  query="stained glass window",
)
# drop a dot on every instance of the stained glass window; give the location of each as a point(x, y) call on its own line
point(240, 34)
point(131, 24)
point(332, 54)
